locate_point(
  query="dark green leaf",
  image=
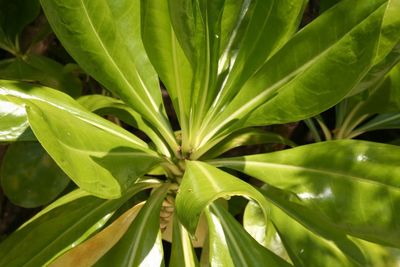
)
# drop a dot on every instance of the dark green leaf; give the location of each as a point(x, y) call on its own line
point(14, 16)
point(33, 68)
point(29, 177)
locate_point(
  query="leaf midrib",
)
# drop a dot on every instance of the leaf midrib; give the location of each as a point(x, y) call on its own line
point(338, 175)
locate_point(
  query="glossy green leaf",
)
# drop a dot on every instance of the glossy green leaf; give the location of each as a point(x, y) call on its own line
point(90, 251)
point(303, 246)
point(140, 245)
point(92, 151)
point(167, 56)
point(246, 137)
point(219, 254)
point(59, 228)
point(377, 73)
point(34, 68)
point(14, 124)
point(354, 184)
point(14, 16)
point(263, 231)
point(21, 93)
point(244, 250)
point(201, 185)
point(98, 161)
point(182, 251)
point(29, 177)
point(306, 77)
point(105, 105)
point(259, 30)
point(110, 49)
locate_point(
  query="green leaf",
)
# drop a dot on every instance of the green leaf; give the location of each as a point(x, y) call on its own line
point(14, 16)
point(140, 246)
point(33, 68)
point(96, 160)
point(353, 184)
point(219, 254)
point(110, 49)
point(105, 105)
point(90, 251)
point(380, 122)
point(306, 77)
point(258, 31)
point(29, 177)
point(14, 123)
point(59, 228)
point(244, 250)
point(303, 246)
point(92, 151)
point(182, 249)
point(167, 56)
point(250, 136)
point(201, 185)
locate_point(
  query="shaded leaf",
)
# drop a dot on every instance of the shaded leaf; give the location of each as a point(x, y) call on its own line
point(29, 177)
point(90, 251)
point(59, 228)
point(140, 245)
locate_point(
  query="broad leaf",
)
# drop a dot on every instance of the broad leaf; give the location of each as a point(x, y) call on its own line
point(342, 180)
point(99, 162)
point(111, 51)
point(306, 77)
point(59, 228)
point(244, 250)
point(303, 246)
point(201, 185)
point(167, 56)
point(90, 251)
point(14, 123)
point(92, 151)
point(140, 245)
point(29, 177)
